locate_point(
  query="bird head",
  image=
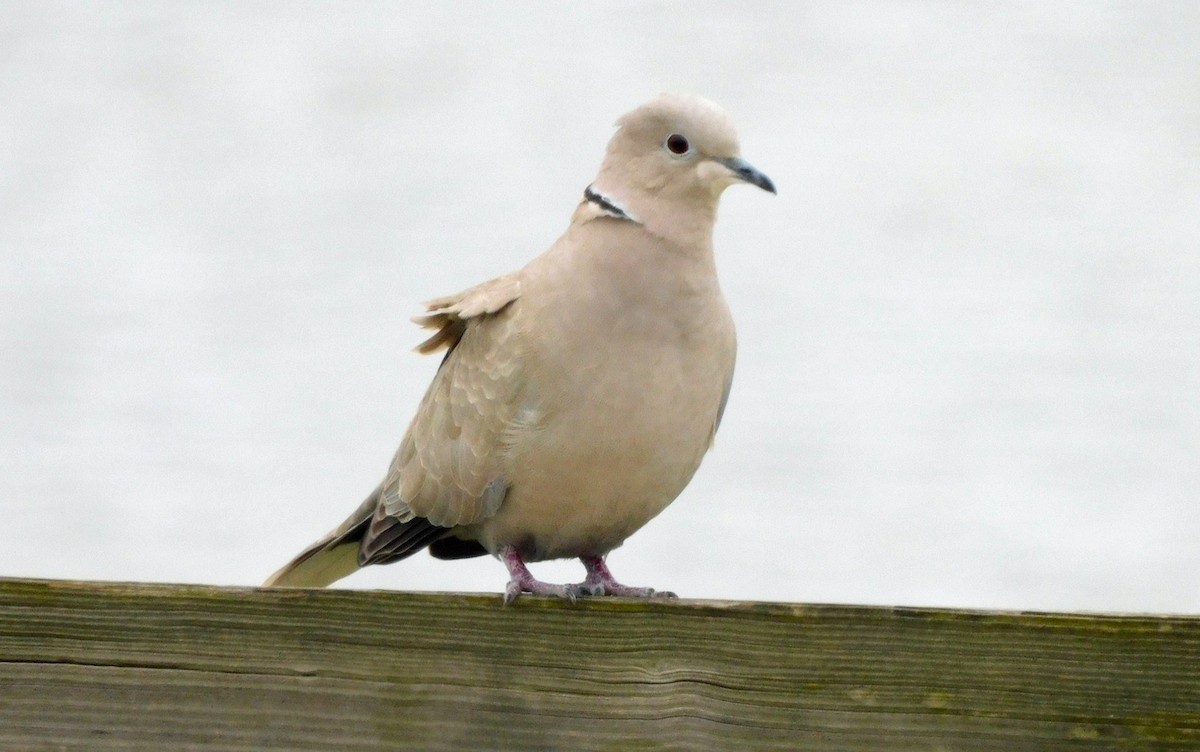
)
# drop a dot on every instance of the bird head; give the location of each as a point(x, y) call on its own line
point(679, 145)
point(674, 154)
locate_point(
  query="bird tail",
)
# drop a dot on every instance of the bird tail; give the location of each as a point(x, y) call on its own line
point(332, 557)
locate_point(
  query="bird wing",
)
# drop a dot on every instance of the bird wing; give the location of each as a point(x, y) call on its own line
point(449, 469)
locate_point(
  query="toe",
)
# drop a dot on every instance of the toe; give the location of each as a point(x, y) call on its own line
point(588, 589)
point(511, 592)
point(625, 591)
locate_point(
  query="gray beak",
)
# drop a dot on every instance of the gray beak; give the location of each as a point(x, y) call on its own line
point(748, 172)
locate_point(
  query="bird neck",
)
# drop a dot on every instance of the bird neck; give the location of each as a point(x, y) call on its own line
point(685, 221)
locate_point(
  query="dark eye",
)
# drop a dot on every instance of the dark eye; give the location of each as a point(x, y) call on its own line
point(677, 144)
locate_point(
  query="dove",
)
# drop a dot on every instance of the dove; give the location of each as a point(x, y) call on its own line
point(578, 395)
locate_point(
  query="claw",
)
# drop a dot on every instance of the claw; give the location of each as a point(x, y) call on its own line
point(512, 591)
point(602, 582)
point(599, 582)
point(523, 580)
point(586, 589)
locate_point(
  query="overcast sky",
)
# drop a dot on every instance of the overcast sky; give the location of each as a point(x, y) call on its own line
point(969, 323)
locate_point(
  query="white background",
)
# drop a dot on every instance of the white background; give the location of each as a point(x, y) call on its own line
point(969, 323)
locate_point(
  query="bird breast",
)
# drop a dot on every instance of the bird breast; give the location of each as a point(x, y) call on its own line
point(620, 402)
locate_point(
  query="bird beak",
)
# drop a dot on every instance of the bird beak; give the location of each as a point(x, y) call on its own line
point(743, 170)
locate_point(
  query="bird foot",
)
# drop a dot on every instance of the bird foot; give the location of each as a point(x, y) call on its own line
point(534, 586)
point(523, 581)
point(600, 581)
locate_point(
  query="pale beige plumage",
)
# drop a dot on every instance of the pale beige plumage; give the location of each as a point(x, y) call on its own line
point(578, 394)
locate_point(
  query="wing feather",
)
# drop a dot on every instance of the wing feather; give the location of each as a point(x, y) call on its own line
point(450, 467)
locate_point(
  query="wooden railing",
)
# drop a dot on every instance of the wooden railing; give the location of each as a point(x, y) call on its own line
point(112, 666)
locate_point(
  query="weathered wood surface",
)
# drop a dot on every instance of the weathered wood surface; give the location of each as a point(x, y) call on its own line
point(92, 666)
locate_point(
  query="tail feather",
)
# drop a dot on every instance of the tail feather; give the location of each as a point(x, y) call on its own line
point(320, 566)
point(369, 536)
point(332, 557)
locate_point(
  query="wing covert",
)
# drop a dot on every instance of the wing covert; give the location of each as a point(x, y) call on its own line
point(450, 466)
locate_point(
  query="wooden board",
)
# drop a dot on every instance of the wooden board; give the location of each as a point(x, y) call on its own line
point(108, 666)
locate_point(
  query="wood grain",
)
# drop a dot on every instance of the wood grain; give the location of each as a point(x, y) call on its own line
point(112, 666)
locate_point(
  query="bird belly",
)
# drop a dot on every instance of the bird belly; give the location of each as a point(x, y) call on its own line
point(599, 467)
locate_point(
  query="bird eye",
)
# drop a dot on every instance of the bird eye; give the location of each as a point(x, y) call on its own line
point(677, 144)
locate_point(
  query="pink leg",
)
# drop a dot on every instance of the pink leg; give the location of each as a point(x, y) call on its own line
point(523, 581)
point(601, 582)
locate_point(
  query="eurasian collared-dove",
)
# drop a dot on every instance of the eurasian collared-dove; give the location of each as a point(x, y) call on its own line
point(578, 395)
